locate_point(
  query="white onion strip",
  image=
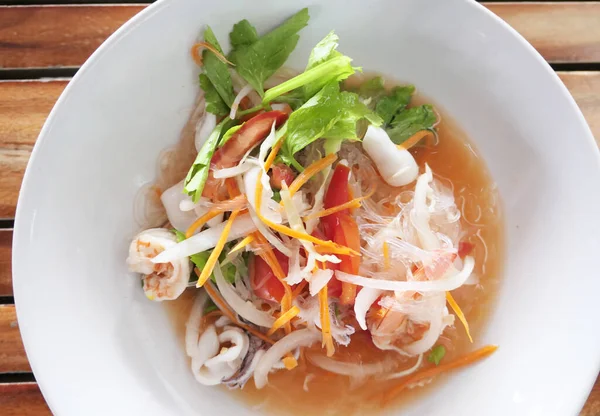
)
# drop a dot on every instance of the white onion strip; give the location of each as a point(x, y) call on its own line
point(238, 99)
point(442, 285)
point(363, 302)
point(319, 280)
point(354, 370)
point(207, 239)
point(243, 308)
point(234, 171)
point(408, 371)
point(301, 338)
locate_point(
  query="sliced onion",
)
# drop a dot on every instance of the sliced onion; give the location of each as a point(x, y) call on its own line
point(294, 273)
point(243, 308)
point(192, 326)
point(271, 238)
point(319, 280)
point(238, 99)
point(408, 371)
point(207, 239)
point(354, 370)
point(297, 339)
point(267, 143)
point(268, 207)
point(363, 302)
point(442, 285)
point(234, 171)
point(420, 214)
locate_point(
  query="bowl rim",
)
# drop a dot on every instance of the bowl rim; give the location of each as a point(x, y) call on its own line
point(22, 213)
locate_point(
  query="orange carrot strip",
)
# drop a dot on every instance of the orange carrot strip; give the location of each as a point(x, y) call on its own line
point(353, 203)
point(414, 139)
point(196, 47)
point(220, 302)
point(283, 319)
point(325, 322)
point(465, 360)
point(290, 362)
point(310, 171)
point(214, 255)
point(386, 256)
point(299, 289)
point(273, 154)
point(459, 313)
point(247, 240)
point(201, 221)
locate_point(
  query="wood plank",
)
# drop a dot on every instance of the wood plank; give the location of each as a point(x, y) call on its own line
point(12, 352)
point(22, 399)
point(24, 107)
point(5, 261)
point(592, 406)
point(561, 32)
point(55, 36)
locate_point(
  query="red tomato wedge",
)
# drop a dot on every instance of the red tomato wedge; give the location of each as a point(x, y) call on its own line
point(263, 281)
point(249, 135)
point(342, 229)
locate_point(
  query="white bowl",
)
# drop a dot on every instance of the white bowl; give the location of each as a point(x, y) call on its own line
point(98, 347)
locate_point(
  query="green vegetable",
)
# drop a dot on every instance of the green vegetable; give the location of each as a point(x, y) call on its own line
point(373, 90)
point(243, 34)
point(257, 61)
point(216, 71)
point(390, 105)
point(200, 259)
point(436, 354)
point(329, 114)
point(276, 196)
point(410, 121)
point(229, 133)
point(214, 102)
point(198, 173)
point(325, 66)
point(210, 306)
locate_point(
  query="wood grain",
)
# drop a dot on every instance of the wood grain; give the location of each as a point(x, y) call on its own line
point(24, 107)
point(12, 352)
point(592, 406)
point(22, 399)
point(59, 36)
point(561, 32)
point(5, 261)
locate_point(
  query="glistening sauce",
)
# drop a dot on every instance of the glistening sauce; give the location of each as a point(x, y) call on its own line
point(454, 159)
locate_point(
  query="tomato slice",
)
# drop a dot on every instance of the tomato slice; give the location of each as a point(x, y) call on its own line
point(342, 229)
point(263, 281)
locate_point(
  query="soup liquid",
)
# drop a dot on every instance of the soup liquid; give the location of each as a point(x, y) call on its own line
point(308, 390)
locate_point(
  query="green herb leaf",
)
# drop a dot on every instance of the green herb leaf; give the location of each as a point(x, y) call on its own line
point(243, 34)
point(228, 134)
point(198, 173)
point(390, 105)
point(216, 71)
point(257, 61)
point(276, 196)
point(214, 102)
point(410, 121)
point(325, 66)
point(436, 354)
point(329, 114)
point(373, 90)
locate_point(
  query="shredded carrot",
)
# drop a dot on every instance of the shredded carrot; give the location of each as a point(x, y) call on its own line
point(202, 220)
point(414, 139)
point(299, 289)
point(232, 188)
point(325, 322)
point(459, 313)
point(214, 255)
point(465, 360)
point(310, 171)
point(353, 203)
point(386, 256)
point(196, 47)
point(273, 154)
point(283, 319)
point(220, 302)
point(239, 246)
point(290, 362)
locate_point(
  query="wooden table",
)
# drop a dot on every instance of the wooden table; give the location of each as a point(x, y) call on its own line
point(41, 47)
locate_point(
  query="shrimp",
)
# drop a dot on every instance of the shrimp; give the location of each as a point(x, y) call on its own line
point(396, 166)
point(162, 281)
point(248, 136)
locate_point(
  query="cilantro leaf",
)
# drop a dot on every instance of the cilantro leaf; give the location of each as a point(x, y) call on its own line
point(198, 173)
point(398, 99)
point(329, 114)
point(372, 90)
point(436, 354)
point(325, 65)
point(216, 71)
point(410, 121)
point(243, 34)
point(214, 102)
point(257, 61)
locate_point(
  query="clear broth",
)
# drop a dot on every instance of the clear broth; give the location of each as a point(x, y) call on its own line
point(455, 159)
